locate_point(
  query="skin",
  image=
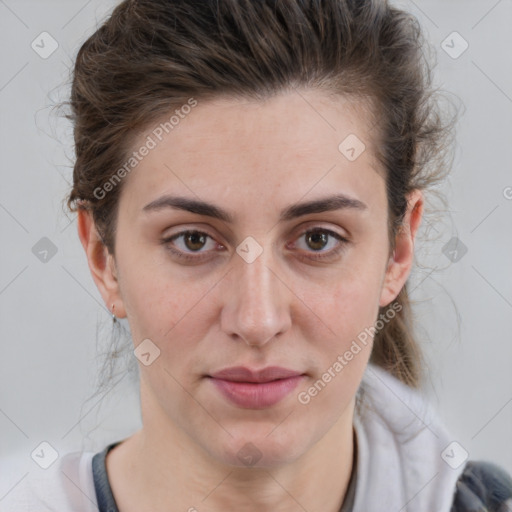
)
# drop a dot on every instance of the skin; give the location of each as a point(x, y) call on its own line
point(285, 308)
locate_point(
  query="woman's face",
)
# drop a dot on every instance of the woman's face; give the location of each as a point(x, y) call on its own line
point(286, 266)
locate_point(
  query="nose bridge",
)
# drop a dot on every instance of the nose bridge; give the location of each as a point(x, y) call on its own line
point(256, 309)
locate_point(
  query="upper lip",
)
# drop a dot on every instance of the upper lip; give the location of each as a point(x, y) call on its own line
point(243, 374)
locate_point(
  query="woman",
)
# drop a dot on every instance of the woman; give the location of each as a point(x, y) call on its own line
point(249, 182)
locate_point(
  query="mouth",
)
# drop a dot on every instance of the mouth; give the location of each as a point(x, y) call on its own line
point(255, 389)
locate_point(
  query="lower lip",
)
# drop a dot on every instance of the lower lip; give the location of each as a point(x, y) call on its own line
point(252, 395)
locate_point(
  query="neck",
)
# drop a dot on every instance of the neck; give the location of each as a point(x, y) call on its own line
point(161, 468)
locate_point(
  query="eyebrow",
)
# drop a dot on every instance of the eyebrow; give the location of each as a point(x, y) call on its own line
point(330, 203)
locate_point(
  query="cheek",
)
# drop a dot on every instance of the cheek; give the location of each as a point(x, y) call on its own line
point(352, 303)
point(349, 308)
point(159, 297)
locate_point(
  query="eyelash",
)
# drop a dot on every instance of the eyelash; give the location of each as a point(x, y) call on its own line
point(329, 255)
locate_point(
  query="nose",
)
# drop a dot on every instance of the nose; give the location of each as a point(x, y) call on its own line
point(256, 306)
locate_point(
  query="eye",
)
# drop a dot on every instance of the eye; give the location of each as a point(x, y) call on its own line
point(190, 242)
point(193, 245)
point(318, 239)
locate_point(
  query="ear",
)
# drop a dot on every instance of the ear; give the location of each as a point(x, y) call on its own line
point(101, 263)
point(400, 263)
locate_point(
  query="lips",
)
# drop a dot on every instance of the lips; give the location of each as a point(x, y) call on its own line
point(243, 374)
point(255, 389)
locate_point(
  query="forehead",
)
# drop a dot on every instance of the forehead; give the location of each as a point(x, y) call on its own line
point(256, 154)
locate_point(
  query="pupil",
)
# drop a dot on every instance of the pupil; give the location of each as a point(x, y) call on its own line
point(196, 238)
point(318, 237)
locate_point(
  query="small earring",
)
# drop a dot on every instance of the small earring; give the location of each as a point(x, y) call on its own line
point(114, 318)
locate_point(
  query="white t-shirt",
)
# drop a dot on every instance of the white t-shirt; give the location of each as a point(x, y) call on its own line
point(405, 460)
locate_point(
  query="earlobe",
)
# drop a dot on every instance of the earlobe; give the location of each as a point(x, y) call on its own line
point(101, 262)
point(400, 263)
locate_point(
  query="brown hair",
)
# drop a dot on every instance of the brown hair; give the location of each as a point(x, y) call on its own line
point(151, 56)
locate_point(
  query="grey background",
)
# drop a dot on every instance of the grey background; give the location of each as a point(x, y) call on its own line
point(49, 311)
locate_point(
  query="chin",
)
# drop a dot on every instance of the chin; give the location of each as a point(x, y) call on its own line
point(261, 450)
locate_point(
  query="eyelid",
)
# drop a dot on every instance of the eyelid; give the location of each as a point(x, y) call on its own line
point(343, 241)
point(320, 225)
point(183, 232)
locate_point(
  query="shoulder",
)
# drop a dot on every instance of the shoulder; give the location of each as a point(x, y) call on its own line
point(402, 410)
point(65, 485)
point(483, 486)
point(398, 423)
point(397, 429)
